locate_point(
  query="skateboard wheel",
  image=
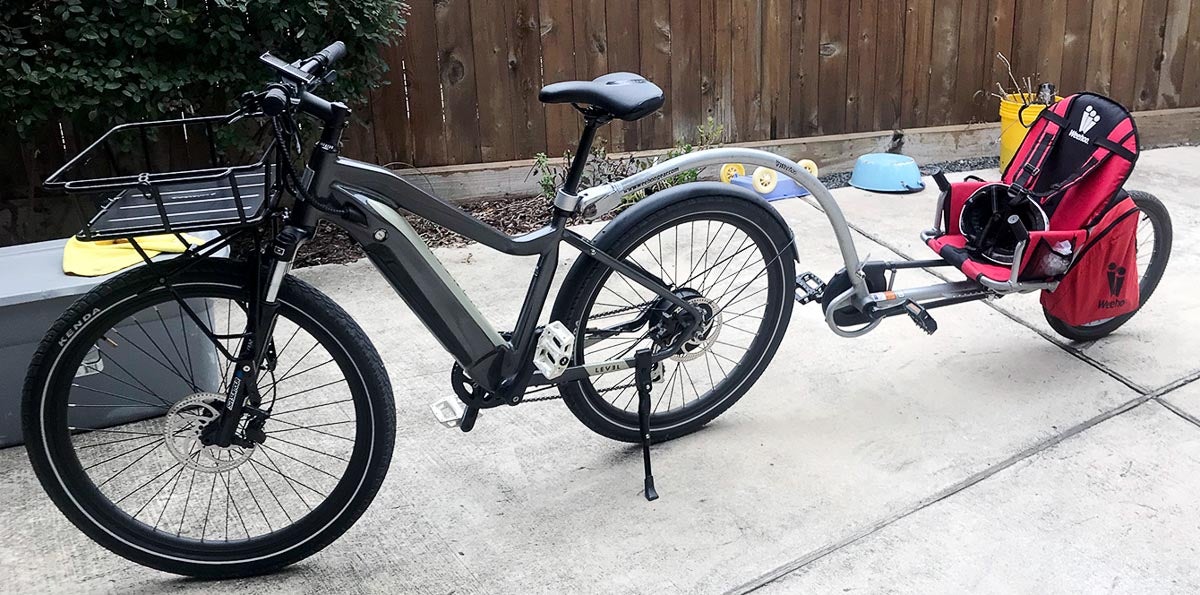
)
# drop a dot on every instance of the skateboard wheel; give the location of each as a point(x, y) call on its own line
point(729, 171)
point(765, 180)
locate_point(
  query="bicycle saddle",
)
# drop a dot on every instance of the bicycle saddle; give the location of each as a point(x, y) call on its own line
point(622, 95)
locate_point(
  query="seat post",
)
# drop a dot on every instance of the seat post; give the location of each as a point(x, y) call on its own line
point(591, 123)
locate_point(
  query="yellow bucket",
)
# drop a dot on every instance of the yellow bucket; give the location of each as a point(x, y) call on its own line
point(1015, 119)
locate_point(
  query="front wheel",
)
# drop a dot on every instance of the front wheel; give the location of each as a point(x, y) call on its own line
point(726, 252)
point(122, 391)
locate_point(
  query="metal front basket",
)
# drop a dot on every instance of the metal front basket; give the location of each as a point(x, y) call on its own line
point(174, 176)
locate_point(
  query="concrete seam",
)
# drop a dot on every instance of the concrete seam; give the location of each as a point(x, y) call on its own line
point(1177, 411)
point(799, 563)
point(1177, 384)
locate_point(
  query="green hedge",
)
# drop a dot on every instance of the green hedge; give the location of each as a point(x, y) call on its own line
point(101, 62)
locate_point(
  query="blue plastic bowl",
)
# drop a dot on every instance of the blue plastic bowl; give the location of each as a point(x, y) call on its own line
point(887, 172)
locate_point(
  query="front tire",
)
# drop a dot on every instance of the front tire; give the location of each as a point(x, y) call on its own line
point(278, 515)
point(726, 251)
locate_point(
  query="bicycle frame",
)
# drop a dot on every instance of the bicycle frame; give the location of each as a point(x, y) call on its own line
point(372, 198)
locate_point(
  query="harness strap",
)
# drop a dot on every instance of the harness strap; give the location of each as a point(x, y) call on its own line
point(1054, 117)
point(1029, 172)
point(1115, 149)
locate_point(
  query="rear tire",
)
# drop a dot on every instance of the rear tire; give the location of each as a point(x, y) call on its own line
point(714, 214)
point(1154, 214)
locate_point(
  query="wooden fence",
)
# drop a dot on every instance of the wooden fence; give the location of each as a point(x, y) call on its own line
point(463, 84)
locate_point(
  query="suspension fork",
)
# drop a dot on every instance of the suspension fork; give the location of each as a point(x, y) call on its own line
point(260, 325)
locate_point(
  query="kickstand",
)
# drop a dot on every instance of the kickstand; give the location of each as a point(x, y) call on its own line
point(643, 366)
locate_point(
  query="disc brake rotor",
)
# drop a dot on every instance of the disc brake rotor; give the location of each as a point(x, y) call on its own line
point(185, 422)
point(706, 335)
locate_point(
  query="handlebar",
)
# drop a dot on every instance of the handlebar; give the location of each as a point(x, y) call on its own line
point(298, 80)
point(326, 57)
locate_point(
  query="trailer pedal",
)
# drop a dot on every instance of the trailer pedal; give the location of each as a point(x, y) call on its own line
point(921, 317)
point(809, 288)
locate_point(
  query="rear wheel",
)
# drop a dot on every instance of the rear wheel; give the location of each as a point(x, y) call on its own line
point(121, 391)
point(729, 256)
point(1154, 237)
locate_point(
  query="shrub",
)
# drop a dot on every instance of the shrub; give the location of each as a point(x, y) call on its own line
point(103, 62)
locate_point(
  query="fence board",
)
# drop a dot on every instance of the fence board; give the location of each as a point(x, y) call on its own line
point(1191, 70)
point(860, 82)
point(944, 60)
point(972, 39)
point(456, 67)
point(496, 93)
point(806, 67)
point(624, 55)
point(684, 93)
point(1101, 44)
point(1052, 41)
point(525, 72)
point(1125, 51)
point(655, 41)
point(1075, 47)
point(1175, 39)
point(423, 88)
point(1150, 59)
point(748, 119)
point(834, 70)
point(917, 49)
point(591, 48)
point(558, 64)
point(388, 112)
point(889, 65)
point(777, 62)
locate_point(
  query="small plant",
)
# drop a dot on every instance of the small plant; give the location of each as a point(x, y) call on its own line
point(602, 168)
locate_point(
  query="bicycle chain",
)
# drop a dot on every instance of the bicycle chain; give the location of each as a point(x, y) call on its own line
point(559, 396)
point(599, 390)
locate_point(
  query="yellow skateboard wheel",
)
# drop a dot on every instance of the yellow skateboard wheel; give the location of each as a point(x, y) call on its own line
point(810, 166)
point(765, 180)
point(731, 170)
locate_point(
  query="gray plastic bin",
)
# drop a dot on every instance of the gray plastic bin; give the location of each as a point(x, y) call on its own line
point(35, 292)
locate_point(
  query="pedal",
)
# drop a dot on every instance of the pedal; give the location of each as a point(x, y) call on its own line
point(448, 411)
point(921, 317)
point(809, 288)
point(554, 350)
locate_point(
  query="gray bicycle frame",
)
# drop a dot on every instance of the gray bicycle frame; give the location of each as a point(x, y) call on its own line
point(376, 196)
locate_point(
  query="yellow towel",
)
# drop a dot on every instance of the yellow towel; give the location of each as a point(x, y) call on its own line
point(92, 259)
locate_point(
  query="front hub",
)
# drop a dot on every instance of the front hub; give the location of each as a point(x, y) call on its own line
point(184, 429)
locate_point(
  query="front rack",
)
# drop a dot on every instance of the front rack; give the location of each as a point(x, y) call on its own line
point(172, 176)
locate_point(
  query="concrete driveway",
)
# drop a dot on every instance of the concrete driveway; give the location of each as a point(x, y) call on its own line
point(991, 457)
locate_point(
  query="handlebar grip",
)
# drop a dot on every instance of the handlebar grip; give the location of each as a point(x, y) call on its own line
point(1018, 228)
point(943, 184)
point(332, 53)
point(274, 102)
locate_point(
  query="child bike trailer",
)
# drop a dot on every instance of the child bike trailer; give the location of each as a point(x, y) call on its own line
point(1061, 221)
